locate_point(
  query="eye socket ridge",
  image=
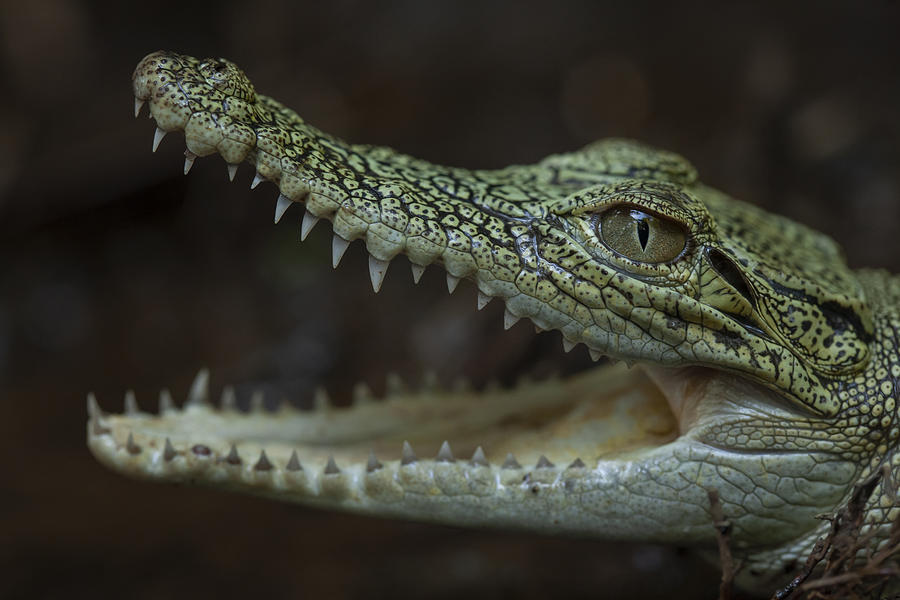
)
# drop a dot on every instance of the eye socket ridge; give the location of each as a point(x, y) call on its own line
point(640, 235)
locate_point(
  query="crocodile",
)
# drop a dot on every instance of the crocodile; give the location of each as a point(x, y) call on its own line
point(765, 369)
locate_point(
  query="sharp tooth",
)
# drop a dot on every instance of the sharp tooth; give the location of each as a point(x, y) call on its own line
point(377, 271)
point(373, 465)
point(452, 282)
point(131, 446)
point(445, 454)
point(168, 451)
point(232, 171)
point(543, 463)
point(138, 105)
point(131, 407)
point(309, 221)
point(595, 356)
point(188, 161)
point(407, 457)
point(338, 247)
point(157, 138)
point(509, 319)
point(294, 462)
point(263, 463)
point(331, 468)
point(94, 411)
point(229, 399)
point(510, 462)
point(362, 394)
point(165, 401)
point(417, 271)
point(394, 385)
point(568, 345)
point(483, 299)
point(320, 399)
point(199, 394)
point(478, 458)
point(576, 464)
point(256, 181)
point(280, 206)
point(257, 401)
point(233, 457)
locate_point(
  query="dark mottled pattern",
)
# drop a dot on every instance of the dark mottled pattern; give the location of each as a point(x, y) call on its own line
point(752, 293)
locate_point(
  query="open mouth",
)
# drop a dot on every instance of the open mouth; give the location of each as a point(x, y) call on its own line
point(614, 452)
point(605, 414)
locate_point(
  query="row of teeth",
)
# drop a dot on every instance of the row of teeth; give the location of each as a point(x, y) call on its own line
point(199, 396)
point(377, 268)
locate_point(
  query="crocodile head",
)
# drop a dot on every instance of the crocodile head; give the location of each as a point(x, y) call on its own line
point(747, 330)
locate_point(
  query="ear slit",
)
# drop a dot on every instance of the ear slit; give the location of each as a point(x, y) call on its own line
point(731, 274)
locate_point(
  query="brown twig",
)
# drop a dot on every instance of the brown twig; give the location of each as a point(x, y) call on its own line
point(841, 548)
point(723, 532)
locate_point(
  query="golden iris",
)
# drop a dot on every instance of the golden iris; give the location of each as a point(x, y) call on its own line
point(641, 236)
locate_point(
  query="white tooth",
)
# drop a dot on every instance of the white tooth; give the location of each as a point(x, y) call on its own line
point(229, 399)
point(377, 271)
point(568, 345)
point(282, 205)
point(157, 138)
point(407, 456)
point(232, 171)
point(309, 221)
point(483, 299)
point(362, 394)
point(189, 158)
point(452, 282)
point(256, 180)
point(166, 403)
point(445, 454)
point(338, 247)
point(509, 319)
point(321, 401)
point(131, 405)
point(199, 392)
point(478, 459)
point(417, 271)
point(138, 105)
point(595, 356)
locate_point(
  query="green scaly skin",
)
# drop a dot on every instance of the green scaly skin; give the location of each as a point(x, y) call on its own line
point(769, 370)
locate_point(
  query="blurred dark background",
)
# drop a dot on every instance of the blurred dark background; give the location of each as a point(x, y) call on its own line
point(118, 272)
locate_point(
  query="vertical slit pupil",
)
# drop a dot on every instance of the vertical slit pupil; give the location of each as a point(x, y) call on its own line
point(643, 231)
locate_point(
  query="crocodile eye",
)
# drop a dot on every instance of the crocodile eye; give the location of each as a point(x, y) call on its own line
point(641, 236)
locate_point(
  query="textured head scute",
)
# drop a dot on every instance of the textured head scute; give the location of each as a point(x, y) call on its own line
point(227, 77)
point(806, 296)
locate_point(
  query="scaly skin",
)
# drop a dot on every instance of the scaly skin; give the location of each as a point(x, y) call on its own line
point(769, 370)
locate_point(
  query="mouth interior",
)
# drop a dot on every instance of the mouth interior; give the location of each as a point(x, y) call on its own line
point(605, 413)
